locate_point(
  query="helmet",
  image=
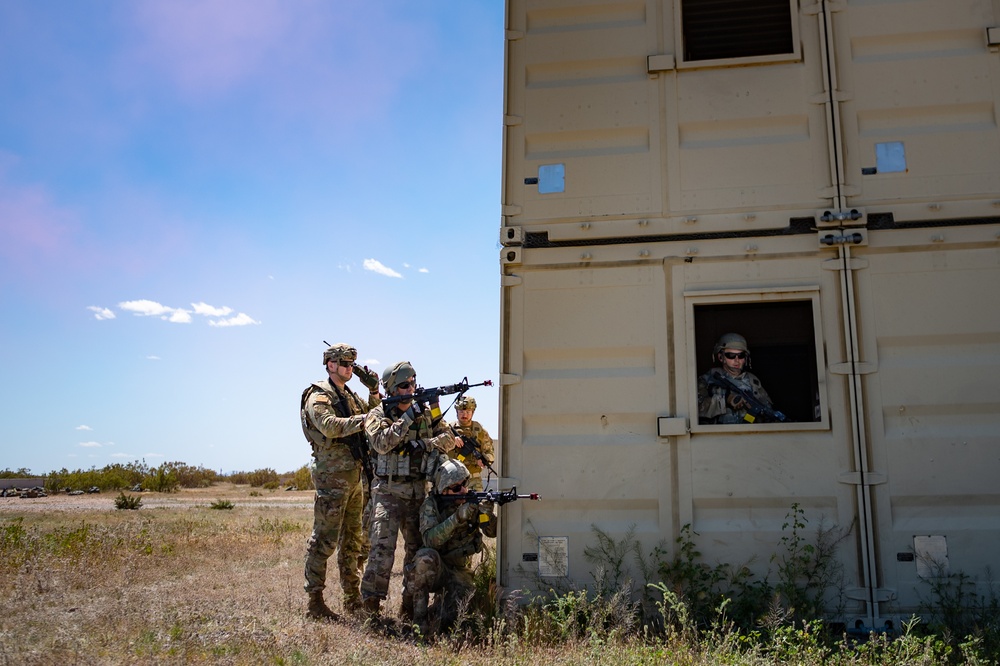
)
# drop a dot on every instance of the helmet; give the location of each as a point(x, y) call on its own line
point(731, 341)
point(397, 374)
point(340, 351)
point(450, 473)
point(465, 402)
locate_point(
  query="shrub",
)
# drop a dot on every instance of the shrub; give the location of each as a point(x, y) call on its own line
point(130, 502)
point(110, 477)
point(161, 479)
point(221, 504)
point(302, 478)
point(262, 477)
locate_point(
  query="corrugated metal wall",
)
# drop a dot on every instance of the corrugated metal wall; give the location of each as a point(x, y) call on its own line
point(838, 203)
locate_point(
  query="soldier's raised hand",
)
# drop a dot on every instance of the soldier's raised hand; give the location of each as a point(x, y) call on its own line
point(367, 377)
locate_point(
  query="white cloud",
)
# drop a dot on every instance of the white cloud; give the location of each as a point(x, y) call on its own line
point(91, 445)
point(239, 320)
point(100, 314)
point(377, 266)
point(153, 455)
point(84, 427)
point(153, 358)
point(211, 310)
point(423, 270)
point(147, 308)
point(371, 361)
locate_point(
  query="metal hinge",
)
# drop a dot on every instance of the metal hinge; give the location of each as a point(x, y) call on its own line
point(511, 236)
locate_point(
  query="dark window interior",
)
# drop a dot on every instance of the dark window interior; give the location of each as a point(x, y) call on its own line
point(782, 349)
point(715, 29)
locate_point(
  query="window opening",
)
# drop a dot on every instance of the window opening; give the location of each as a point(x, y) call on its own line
point(782, 343)
point(721, 29)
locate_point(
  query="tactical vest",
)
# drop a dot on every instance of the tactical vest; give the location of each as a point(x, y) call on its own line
point(406, 463)
point(356, 442)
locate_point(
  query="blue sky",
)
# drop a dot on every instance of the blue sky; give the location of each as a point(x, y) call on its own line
point(194, 194)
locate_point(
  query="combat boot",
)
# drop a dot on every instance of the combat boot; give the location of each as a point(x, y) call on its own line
point(352, 604)
point(420, 612)
point(371, 606)
point(406, 608)
point(318, 609)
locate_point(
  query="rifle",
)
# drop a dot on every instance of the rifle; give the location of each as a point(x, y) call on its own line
point(755, 408)
point(498, 497)
point(470, 449)
point(431, 395)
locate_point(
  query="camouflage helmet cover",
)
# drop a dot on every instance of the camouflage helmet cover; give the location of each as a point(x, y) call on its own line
point(397, 374)
point(340, 351)
point(731, 341)
point(450, 473)
point(465, 402)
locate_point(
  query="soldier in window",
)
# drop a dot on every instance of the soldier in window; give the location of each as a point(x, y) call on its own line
point(731, 393)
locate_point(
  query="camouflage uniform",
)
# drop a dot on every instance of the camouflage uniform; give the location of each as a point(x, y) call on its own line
point(475, 433)
point(712, 405)
point(408, 448)
point(330, 417)
point(714, 402)
point(444, 565)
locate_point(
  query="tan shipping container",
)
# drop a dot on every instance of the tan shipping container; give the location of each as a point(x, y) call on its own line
point(821, 177)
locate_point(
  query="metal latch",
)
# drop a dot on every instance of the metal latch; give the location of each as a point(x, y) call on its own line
point(841, 215)
point(854, 238)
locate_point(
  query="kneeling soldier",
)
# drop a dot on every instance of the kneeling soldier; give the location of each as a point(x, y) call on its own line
point(452, 532)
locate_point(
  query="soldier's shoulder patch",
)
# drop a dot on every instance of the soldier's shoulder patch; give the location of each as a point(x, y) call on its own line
point(323, 399)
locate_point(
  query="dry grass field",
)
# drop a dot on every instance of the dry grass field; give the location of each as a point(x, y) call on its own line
point(179, 582)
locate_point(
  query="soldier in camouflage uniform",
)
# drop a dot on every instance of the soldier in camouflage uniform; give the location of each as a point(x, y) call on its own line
point(408, 448)
point(472, 432)
point(452, 532)
point(332, 419)
point(716, 404)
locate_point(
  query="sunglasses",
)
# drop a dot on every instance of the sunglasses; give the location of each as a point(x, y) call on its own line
point(457, 488)
point(346, 364)
point(734, 355)
point(404, 385)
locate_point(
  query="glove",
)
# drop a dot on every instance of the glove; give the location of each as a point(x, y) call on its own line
point(735, 401)
point(467, 512)
point(487, 506)
point(367, 377)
